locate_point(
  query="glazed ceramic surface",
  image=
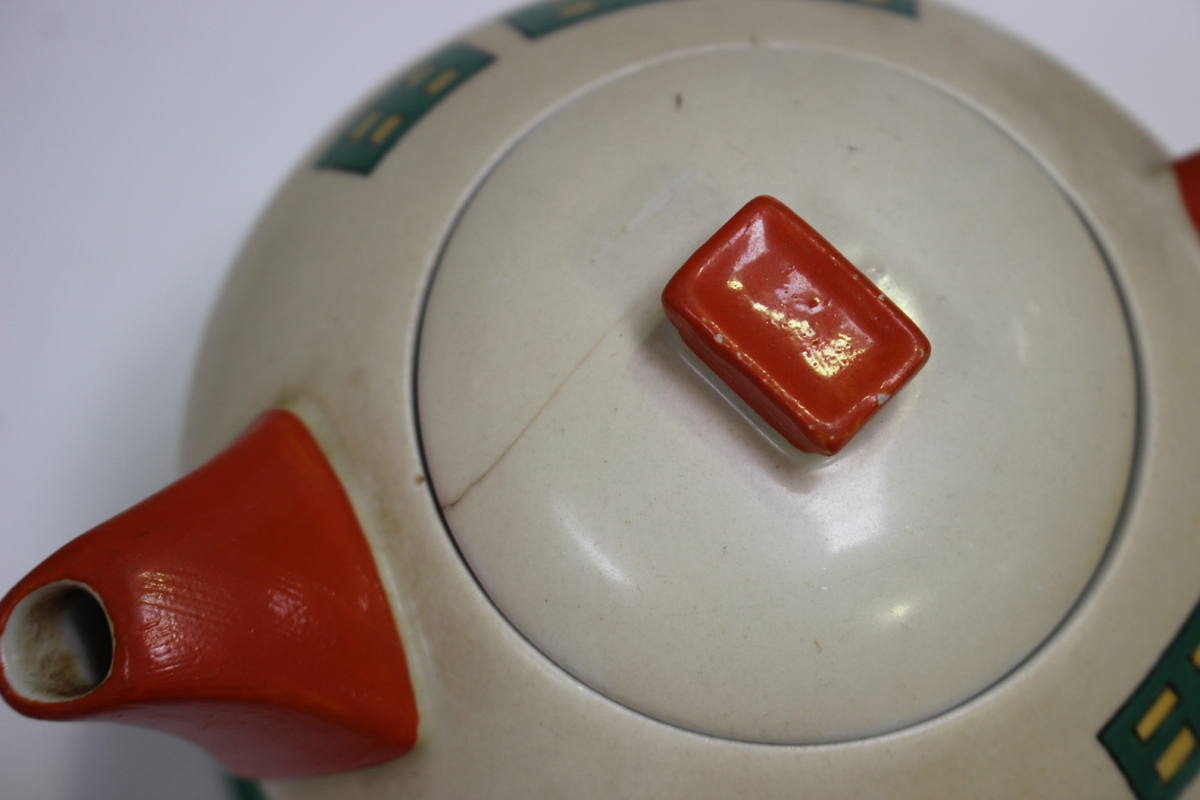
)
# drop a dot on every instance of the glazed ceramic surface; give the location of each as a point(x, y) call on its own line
point(650, 533)
point(988, 509)
point(524, 677)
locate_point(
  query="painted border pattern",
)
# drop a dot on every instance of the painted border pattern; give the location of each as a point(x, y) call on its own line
point(906, 7)
point(242, 789)
point(1153, 737)
point(538, 19)
point(368, 139)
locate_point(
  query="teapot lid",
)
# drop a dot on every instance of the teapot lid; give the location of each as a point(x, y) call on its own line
point(646, 530)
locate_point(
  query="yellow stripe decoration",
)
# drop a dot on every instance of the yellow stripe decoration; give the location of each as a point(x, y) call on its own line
point(1158, 712)
point(439, 83)
point(578, 8)
point(368, 139)
point(381, 133)
point(1176, 755)
point(1152, 737)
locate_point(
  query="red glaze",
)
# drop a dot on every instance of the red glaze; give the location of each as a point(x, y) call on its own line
point(1188, 173)
point(247, 615)
point(800, 334)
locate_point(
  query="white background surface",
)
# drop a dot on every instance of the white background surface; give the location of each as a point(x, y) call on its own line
point(139, 141)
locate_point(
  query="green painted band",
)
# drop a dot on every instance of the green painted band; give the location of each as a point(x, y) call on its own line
point(364, 143)
point(242, 789)
point(906, 7)
point(1177, 669)
point(538, 19)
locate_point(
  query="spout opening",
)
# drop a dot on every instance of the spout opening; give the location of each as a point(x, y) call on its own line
point(58, 643)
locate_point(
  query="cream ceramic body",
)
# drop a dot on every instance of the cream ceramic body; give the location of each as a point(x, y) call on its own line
point(647, 531)
point(1014, 593)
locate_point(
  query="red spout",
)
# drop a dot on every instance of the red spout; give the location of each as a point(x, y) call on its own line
point(240, 607)
point(1187, 171)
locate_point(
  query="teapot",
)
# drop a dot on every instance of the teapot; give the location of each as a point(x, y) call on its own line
point(556, 531)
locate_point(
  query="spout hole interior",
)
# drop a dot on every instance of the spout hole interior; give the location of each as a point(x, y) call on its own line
point(58, 643)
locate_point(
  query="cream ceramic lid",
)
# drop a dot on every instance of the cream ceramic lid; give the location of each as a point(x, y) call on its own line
point(646, 531)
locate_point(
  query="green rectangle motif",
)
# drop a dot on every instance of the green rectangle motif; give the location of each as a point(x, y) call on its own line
point(542, 18)
point(906, 7)
point(1153, 737)
point(242, 789)
point(370, 136)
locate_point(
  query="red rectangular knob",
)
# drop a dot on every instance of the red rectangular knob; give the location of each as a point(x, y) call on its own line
point(793, 327)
